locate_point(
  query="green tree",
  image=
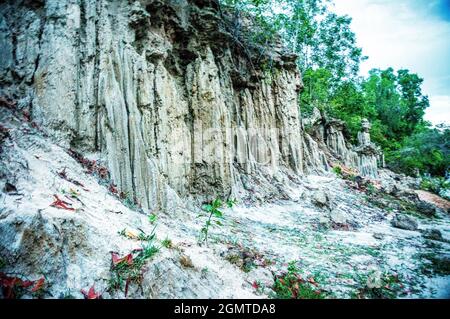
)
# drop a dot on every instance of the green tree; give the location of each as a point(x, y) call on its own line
point(427, 151)
point(329, 60)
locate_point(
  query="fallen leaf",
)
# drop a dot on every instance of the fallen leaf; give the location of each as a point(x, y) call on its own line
point(58, 203)
point(130, 234)
point(27, 283)
point(8, 285)
point(91, 294)
point(113, 189)
point(117, 260)
point(38, 285)
point(312, 281)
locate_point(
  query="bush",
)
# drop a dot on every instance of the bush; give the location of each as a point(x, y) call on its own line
point(290, 285)
point(437, 185)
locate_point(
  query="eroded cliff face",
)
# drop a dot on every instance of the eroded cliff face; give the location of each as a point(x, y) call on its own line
point(158, 90)
point(327, 145)
point(164, 95)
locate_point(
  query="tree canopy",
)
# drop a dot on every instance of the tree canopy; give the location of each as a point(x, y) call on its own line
point(329, 60)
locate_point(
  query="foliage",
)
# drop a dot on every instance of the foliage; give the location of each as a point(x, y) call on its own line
point(129, 269)
point(337, 170)
point(426, 151)
point(152, 218)
point(329, 60)
point(290, 285)
point(321, 38)
point(213, 216)
point(437, 185)
point(14, 287)
point(167, 243)
point(389, 288)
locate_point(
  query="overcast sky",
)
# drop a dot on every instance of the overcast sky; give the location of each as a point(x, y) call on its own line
point(412, 34)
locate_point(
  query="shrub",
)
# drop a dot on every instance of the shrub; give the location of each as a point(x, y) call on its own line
point(437, 185)
point(290, 285)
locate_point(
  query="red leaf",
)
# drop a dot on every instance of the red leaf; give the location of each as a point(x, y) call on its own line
point(312, 281)
point(10, 282)
point(255, 285)
point(117, 260)
point(58, 203)
point(27, 283)
point(91, 294)
point(38, 285)
point(8, 285)
point(113, 189)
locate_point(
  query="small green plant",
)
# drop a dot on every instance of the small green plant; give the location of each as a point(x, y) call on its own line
point(389, 288)
point(67, 295)
point(370, 189)
point(2, 263)
point(152, 218)
point(123, 233)
point(290, 285)
point(167, 243)
point(337, 170)
point(129, 269)
point(248, 266)
point(231, 203)
point(142, 236)
point(213, 216)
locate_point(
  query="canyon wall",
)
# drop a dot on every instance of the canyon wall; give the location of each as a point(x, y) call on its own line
point(160, 91)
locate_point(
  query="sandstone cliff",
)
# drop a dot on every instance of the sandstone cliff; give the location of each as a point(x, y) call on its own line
point(158, 90)
point(112, 110)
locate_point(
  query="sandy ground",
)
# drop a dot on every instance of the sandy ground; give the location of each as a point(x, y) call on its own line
point(340, 260)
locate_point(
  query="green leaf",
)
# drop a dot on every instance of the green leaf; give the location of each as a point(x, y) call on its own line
point(218, 213)
point(207, 208)
point(152, 218)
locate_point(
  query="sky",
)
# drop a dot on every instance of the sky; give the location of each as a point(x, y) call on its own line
point(411, 34)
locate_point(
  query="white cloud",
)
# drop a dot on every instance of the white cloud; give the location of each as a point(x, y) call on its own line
point(439, 109)
point(410, 34)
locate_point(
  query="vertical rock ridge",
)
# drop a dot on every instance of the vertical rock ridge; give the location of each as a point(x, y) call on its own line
point(156, 90)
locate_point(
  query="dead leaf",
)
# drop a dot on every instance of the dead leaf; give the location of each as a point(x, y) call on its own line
point(117, 260)
point(38, 285)
point(58, 203)
point(91, 294)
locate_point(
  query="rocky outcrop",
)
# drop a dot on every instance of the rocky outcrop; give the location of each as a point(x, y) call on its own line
point(370, 156)
point(404, 222)
point(157, 90)
point(326, 144)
